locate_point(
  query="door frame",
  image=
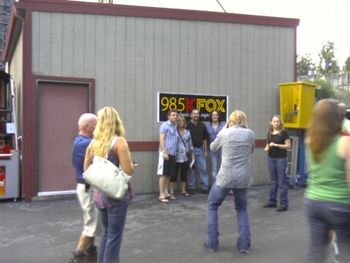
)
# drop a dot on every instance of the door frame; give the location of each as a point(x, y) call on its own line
point(39, 80)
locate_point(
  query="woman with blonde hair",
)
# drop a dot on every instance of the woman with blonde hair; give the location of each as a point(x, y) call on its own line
point(327, 196)
point(277, 143)
point(108, 141)
point(237, 144)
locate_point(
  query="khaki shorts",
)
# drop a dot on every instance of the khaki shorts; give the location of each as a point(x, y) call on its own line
point(90, 211)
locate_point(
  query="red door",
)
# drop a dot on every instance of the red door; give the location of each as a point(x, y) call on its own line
point(60, 105)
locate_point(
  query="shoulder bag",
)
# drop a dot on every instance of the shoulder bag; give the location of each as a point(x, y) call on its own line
point(107, 177)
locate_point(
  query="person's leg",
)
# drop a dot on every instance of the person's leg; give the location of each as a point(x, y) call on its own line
point(191, 180)
point(216, 197)
point(116, 221)
point(243, 240)
point(340, 219)
point(103, 239)
point(202, 167)
point(183, 167)
point(282, 182)
point(273, 184)
point(319, 233)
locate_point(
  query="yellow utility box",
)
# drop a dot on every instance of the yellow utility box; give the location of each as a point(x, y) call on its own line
point(297, 100)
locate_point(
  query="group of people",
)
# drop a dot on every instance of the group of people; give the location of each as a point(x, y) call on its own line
point(184, 145)
point(97, 138)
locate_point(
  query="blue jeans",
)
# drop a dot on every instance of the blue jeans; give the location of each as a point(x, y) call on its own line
point(216, 196)
point(215, 158)
point(279, 183)
point(322, 217)
point(113, 221)
point(201, 165)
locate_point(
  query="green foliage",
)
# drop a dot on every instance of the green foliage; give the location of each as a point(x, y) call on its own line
point(347, 65)
point(305, 65)
point(325, 89)
point(327, 65)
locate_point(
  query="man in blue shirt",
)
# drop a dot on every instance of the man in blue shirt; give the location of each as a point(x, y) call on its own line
point(85, 247)
point(168, 148)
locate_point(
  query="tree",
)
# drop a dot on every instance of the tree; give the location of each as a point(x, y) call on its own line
point(325, 90)
point(305, 65)
point(327, 65)
point(347, 65)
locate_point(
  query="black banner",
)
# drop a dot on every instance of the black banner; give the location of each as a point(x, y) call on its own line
point(184, 103)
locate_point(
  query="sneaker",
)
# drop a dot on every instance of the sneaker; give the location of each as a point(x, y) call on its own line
point(91, 250)
point(243, 251)
point(269, 205)
point(282, 209)
point(77, 258)
point(210, 249)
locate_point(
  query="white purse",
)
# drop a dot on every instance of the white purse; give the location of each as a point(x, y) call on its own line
point(107, 177)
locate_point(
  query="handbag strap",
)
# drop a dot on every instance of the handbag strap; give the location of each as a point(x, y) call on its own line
point(182, 139)
point(114, 140)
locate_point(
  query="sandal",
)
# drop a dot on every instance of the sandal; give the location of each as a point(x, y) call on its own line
point(185, 194)
point(163, 200)
point(172, 197)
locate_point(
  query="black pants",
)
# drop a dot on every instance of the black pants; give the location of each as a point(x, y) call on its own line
point(182, 167)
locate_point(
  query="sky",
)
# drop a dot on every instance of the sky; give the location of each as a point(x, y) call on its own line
point(320, 20)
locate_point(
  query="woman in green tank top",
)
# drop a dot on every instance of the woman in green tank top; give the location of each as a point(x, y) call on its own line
point(327, 196)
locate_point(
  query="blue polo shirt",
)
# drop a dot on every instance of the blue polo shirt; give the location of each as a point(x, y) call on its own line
point(80, 144)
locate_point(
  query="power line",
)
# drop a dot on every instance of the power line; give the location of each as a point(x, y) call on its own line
point(221, 6)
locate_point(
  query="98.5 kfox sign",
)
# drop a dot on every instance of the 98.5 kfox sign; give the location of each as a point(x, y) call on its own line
point(184, 103)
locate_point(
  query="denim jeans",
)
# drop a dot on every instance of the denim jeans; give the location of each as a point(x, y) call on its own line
point(113, 221)
point(216, 196)
point(201, 165)
point(279, 182)
point(322, 217)
point(215, 158)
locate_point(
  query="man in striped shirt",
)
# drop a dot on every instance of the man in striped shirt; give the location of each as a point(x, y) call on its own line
point(168, 148)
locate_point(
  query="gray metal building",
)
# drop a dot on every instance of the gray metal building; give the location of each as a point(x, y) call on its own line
point(70, 57)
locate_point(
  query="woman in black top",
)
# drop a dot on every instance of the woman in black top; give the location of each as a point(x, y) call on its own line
point(276, 145)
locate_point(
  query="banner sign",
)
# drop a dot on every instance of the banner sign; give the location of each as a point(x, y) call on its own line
point(184, 103)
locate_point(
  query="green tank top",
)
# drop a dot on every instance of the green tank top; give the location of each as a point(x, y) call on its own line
point(327, 179)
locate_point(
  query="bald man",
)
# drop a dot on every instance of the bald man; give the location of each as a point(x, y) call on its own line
point(86, 250)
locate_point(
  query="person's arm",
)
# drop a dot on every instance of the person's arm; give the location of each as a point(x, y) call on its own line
point(88, 158)
point(216, 144)
point(162, 146)
point(344, 152)
point(287, 145)
point(122, 150)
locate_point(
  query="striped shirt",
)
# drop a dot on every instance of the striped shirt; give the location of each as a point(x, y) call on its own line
point(170, 138)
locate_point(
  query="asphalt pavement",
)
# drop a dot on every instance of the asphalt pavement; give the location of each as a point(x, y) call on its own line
point(47, 231)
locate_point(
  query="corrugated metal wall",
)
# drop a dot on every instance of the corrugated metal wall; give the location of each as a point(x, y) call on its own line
point(132, 58)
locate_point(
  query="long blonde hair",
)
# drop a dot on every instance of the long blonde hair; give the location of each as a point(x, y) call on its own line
point(326, 123)
point(237, 117)
point(108, 125)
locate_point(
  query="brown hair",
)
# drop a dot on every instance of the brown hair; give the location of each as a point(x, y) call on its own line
point(326, 122)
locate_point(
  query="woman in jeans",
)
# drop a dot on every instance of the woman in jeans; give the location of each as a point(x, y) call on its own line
point(108, 140)
point(327, 196)
point(276, 145)
point(236, 144)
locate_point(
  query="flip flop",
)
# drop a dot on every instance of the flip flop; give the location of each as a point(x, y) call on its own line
point(172, 197)
point(185, 194)
point(163, 200)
